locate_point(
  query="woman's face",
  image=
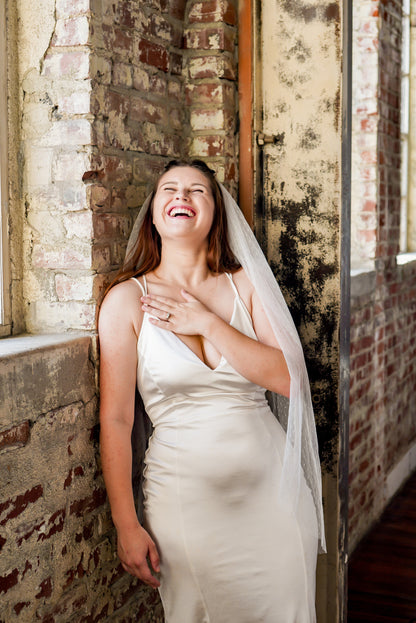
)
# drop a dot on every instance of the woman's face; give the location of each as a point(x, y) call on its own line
point(183, 206)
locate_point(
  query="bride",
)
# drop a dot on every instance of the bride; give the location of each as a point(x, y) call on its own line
point(232, 505)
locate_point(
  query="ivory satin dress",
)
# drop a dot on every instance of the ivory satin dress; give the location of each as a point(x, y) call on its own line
point(229, 553)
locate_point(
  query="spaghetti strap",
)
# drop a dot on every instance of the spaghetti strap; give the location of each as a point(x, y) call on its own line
point(143, 287)
point(234, 287)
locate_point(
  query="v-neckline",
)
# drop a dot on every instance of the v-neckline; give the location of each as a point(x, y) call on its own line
point(188, 348)
point(201, 361)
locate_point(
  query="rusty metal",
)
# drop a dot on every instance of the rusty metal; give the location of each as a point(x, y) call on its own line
point(269, 139)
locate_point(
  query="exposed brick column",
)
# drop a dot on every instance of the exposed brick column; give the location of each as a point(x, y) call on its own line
point(139, 117)
point(210, 70)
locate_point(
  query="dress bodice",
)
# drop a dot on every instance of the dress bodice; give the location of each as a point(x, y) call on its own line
point(170, 374)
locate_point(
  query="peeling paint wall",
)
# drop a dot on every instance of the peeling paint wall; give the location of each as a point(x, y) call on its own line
point(302, 186)
point(300, 221)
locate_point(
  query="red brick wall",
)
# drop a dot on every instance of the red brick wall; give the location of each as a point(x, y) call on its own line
point(383, 313)
point(57, 559)
point(210, 91)
point(167, 91)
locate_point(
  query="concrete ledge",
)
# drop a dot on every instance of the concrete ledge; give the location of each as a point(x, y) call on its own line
point(29, 343)
point(400, 473)
point(362, 282)
point(43, 372)
point(405, 258)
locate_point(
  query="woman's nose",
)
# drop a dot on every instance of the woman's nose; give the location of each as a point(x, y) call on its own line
point(182, 193)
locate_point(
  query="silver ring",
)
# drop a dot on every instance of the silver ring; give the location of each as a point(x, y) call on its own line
point(168, 314)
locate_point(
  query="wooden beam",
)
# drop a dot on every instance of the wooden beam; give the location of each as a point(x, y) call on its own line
point(245, 96)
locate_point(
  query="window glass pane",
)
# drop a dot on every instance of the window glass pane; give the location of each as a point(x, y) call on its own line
point(405, 45)
point(404, 106)
point(404, 167)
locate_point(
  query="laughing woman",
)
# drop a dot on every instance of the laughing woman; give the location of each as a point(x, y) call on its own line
point(232, 498)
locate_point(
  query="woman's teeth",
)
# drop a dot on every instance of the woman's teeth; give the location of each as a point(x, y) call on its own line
point(181, 212)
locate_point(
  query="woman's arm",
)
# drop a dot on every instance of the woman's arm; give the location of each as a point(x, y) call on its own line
point(261, 362)
point(118, 364)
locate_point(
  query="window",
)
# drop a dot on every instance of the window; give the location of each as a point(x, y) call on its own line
point(408, 127)
point(404, 127)
point(5, 321)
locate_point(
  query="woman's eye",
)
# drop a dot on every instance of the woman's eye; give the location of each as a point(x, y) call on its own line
point(198, 190)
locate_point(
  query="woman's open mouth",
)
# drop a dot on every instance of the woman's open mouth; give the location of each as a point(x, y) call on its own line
point(181, 211)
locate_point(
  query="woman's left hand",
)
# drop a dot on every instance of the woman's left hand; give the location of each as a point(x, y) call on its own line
point(189, 317)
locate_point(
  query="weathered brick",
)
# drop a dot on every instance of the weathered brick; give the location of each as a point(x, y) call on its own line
point(207, 146)
point(120, 41)
point(213, 11)
point(69, 8)
point(158, 26)
point(209, 120)
point(16, 505)
point(64, 257)
point(209, 93)
point(9, 580)
point(74, 288)
point(71, 32)
point(101, 257)
point(74, 103)
point(15, 437)
point(144, 110)
point(212, 67)
point(79, 225)
point(99, 198)
point(89, 503)
point(219, 38)
point(113, 168)
point(176, 8)
point(111, 226)
point(153, 54)
point(68, 132)
point(71, 64)
point(176, 63)
point(122, 75)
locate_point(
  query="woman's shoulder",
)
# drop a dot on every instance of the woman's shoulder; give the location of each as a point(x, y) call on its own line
point(122, 292)
point(121, 303)
point(244, 287)
point(242, 281)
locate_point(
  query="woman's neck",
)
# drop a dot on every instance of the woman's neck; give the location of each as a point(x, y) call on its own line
point(186, 267)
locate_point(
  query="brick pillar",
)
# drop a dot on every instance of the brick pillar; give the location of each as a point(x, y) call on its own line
point(210, 71)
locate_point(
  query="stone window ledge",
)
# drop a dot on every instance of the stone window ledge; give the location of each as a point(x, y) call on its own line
point(23, 344)
point(405, 258)
point(363, 281)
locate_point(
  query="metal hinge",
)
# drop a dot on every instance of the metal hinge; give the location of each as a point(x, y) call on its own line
point(269, 139)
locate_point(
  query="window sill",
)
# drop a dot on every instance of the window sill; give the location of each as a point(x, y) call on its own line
point(11, 346)
point(405, 258)
point(363, 281)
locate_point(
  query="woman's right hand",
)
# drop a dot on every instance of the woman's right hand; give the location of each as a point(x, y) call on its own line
point(133, 548)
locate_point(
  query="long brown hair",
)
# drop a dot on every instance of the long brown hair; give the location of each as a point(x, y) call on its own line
point(147, 255)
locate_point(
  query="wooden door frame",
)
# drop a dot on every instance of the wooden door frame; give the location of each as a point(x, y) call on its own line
point(245, 98)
